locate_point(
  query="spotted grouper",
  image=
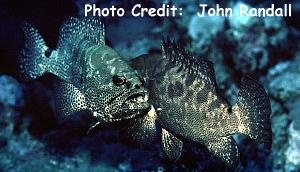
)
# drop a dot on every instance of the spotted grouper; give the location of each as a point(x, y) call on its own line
point(90, 76)
point(188, 106)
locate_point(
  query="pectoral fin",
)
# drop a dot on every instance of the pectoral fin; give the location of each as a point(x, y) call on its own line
point(68, 100)
point(226, 149)
point(171, 145)
point(144, 130)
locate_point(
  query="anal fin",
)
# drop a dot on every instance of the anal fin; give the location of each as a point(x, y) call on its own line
point(225, 148)
point(171, 145)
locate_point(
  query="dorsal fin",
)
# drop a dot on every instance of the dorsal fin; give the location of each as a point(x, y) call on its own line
point(77, 29)
point(75, 36)
point(178, 55)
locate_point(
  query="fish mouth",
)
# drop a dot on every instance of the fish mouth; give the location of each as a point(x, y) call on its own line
point(134, 106)
point(136, 103)
point(137, 98)
point(131, 114)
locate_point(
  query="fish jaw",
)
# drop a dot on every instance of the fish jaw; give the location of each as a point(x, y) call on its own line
point(131, 105)
point(136, 104)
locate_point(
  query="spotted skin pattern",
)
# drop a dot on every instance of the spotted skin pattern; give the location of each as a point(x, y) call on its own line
point(184, 93)
point(90, 76)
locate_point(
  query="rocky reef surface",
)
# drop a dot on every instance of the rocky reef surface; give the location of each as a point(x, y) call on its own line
point(266, 48)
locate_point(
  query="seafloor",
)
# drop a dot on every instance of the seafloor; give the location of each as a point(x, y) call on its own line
point(266, 48)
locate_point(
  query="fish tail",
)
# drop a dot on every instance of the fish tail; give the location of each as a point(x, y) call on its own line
point(252, 111)
point(33, 59)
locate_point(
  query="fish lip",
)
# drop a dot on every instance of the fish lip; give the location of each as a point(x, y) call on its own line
point(140, 103)
point(134, 97)
point(135, 104)
point(131, 97)
point(142, 112)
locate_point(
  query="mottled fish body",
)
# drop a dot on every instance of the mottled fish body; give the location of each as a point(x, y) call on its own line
point(90, 75)
point(184, 92)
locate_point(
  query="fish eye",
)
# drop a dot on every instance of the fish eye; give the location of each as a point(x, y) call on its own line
point(118, 80)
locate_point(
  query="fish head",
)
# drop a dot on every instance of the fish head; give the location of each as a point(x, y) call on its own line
point(113, 89)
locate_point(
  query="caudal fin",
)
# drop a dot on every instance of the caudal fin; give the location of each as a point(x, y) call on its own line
point(32, 61)
point(252, 111)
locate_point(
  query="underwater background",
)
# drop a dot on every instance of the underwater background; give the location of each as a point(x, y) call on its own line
point(266, 48)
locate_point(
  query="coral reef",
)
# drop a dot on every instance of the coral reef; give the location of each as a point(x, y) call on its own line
point(254, 40)
point(203, 29)
point(289, 73)
point(10, 92)
point(292, 152)
point(284, 83)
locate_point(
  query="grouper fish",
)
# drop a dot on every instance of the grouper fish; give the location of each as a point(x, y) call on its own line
point(187, 104)
point(90, 76)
